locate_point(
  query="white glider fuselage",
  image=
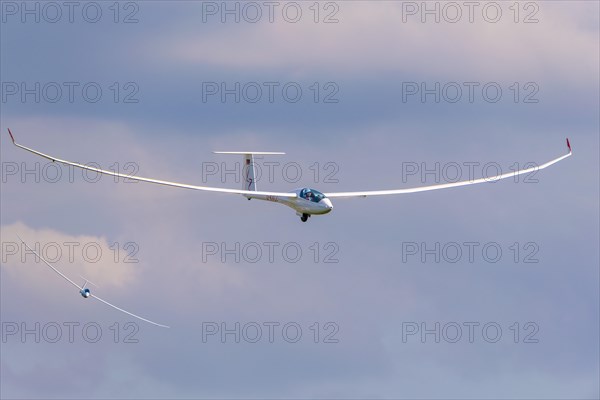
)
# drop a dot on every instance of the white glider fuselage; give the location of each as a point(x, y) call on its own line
point(314, 204)
point(304, 201)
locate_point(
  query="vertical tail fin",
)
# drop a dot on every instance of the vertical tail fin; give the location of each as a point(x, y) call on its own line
point(86, 282)
point(249, 173)
point(248, 166)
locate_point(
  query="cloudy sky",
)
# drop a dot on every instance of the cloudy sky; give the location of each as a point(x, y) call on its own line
point(490, 291)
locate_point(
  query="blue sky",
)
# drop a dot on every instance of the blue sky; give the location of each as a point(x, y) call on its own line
point(363, 305)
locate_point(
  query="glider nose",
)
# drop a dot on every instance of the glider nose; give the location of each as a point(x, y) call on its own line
point(328, 204)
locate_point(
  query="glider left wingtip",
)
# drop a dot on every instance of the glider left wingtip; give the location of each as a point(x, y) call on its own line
point(11, 135)
point(569, 145)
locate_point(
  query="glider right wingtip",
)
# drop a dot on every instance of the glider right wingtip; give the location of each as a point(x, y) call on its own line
point(11, 136)
point(569, 146)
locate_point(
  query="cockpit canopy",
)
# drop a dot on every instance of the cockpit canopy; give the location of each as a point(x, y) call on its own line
point(312, 195)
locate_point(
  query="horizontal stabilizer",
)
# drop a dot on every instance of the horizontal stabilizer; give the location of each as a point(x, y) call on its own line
point(250, 152)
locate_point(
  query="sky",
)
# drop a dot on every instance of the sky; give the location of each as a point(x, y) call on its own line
point(486, 291)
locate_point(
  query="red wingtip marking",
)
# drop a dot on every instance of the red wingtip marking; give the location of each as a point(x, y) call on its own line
point(568, 144)
point(11, 136)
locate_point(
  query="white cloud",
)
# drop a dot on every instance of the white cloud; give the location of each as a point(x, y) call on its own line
point(74, 255)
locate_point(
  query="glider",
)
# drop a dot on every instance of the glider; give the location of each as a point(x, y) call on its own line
point(304, 201)
point(85, 291)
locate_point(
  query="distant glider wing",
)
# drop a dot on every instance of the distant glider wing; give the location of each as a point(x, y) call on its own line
point(48, 264)
point(127, 312)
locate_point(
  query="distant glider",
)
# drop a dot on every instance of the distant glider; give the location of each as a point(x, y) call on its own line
point(304, 201)
point(85, 291)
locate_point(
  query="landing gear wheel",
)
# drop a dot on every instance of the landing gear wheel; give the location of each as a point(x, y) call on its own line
point(304, 217)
